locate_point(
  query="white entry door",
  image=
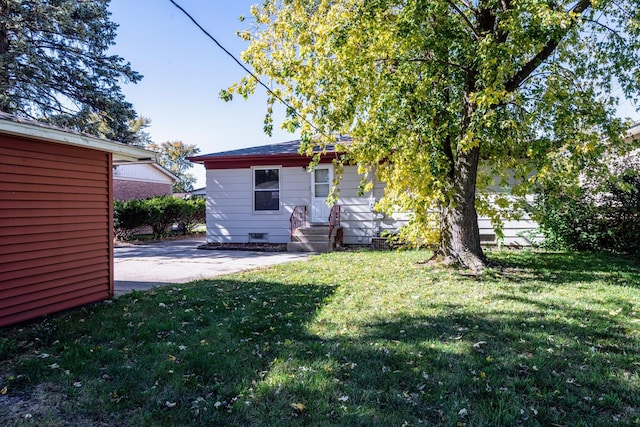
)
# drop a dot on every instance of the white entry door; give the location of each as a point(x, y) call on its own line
point(321, 180)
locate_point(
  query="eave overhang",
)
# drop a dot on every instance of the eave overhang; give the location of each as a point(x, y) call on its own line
point(122, 153)
point(247, 161)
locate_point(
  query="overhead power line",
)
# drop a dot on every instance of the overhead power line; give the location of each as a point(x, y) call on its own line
point(244, 67)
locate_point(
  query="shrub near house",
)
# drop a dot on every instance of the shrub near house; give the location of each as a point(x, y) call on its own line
point(594, 215)
point(158, 213)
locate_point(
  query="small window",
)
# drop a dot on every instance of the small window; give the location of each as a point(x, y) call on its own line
point(266, 189)
point(322, 182)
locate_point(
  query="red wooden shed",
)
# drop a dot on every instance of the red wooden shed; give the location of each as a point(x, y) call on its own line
point(56, 234)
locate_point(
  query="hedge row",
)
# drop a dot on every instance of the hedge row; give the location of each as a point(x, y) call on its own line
point(589, 220)
point(158, 213)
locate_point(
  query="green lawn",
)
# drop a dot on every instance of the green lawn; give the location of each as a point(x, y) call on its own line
point(350, 338)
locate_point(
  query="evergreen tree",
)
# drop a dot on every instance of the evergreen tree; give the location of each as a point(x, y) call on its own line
point(54, 66)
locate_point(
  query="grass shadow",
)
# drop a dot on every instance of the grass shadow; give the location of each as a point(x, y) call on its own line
point(196, 346)
point(564, 268)
point(341, 341)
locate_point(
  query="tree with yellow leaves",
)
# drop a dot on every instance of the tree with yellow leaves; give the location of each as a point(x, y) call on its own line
point(173, 156)
point(444, 99)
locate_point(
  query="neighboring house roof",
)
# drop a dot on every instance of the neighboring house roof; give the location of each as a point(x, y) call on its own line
point(289, 147)
point(145, 171)
point(165, 171)
point(122, 153)
point(283, 153)
point(201, 191)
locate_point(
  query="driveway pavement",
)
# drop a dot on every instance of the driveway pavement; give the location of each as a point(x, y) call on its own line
point(141, 267)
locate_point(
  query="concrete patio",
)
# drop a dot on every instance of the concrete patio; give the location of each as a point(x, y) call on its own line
point(144, 266)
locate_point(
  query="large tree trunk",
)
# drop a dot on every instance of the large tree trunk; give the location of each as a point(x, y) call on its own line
point(460, 235)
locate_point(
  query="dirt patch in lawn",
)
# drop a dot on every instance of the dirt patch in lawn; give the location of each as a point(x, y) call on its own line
point(39, 405)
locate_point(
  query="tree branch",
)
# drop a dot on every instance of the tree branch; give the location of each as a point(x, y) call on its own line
point(546, 50)
point(396, 61)
point(612, 32)
point(465, 18)
point(500, 34)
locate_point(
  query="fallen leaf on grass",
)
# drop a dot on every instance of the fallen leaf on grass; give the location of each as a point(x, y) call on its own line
point(299, 406)
point(478, 346)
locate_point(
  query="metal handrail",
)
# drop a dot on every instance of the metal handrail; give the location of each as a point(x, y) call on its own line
point(334, 218)
point(298, 219)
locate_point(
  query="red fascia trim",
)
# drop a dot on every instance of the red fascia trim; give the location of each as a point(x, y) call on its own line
point(243, 162)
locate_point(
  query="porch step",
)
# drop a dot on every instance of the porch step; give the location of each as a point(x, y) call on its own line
point(312, 233)
point(313, 238)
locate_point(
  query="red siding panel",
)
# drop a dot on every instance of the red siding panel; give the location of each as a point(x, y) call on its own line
point(11, 222)
point(53, 305)
point(18, 302)
point(50, 264)
point(47, 269)
point(26, 233)
point(16, 261)
point(55, 228)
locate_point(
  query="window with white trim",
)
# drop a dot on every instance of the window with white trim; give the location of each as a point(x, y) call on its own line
point(266, 189)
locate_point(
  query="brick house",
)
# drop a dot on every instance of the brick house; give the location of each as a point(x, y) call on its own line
point(142, 180)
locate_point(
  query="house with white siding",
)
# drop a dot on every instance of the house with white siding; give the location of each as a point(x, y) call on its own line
point(268, 194)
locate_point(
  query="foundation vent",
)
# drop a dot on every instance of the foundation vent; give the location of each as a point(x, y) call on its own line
point(258, 237)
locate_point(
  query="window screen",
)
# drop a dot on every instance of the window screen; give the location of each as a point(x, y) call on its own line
point(266, 189)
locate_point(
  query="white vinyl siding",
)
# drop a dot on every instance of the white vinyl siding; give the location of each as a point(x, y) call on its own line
point(515, 231)
point(231, 217)
point(145, 172)
point(357, 217)
point(230, 214)
point(361, 223)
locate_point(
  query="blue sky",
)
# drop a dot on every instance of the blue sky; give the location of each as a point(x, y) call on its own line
point(184, 71)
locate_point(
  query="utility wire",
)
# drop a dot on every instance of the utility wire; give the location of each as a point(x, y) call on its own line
point(275, 95)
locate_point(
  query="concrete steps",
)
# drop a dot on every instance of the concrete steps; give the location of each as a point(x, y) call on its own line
point(312, 238)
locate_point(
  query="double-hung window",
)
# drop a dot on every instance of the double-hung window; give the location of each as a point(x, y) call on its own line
point(266, 189)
